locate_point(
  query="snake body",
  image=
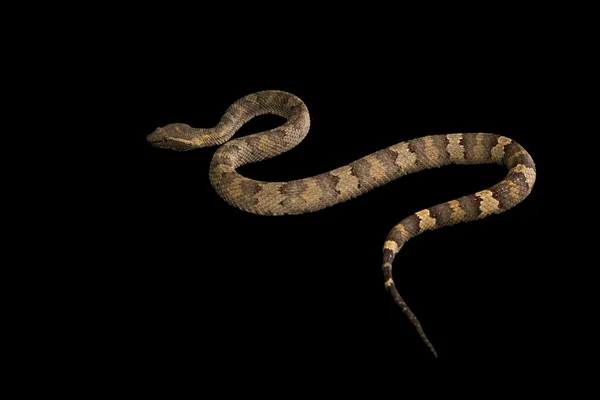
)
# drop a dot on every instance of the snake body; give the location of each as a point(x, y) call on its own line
point(352, 180)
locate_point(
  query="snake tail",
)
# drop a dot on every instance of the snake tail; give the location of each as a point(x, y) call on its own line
point(354, 179)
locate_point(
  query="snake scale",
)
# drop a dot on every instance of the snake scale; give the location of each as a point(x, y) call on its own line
point(352, 180)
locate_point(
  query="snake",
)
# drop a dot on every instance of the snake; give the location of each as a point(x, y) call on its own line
point(352, 180)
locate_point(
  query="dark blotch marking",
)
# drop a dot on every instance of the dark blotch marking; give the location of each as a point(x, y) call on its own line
point(518, 178)
point(509, 150)
point(470, 205)
point(433, 213)
point(441, 143)
point(295, 188)
point(500, 193)
point(392, 156)
point(267, 98)
point(493, 142)
point(387, 157)
point(411, 224)
point(293, 191)
point(227, 177)
point(327, 184)
point(362, 169)
point(296, 108)
point(387, 273)
point(388, 256)
point(445, 143)
point(336, 180)
point(417, 146)
point(280, 134)
point(442, 213)
point(353, 173)
point(524, 159)
point(293, 117)
point(489, 141)
point(528, 162)
point(223, 159)
point(476, 201)
point(250, 187)
point(233, 148)
point(469, 141)
point(395, 236)
point(253, 142)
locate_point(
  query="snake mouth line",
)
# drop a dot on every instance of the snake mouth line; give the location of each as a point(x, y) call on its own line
point(154, 141)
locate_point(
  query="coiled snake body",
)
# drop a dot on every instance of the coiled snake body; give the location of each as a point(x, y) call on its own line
point(344, 183)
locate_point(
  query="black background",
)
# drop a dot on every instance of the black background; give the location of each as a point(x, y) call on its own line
point(217, 286)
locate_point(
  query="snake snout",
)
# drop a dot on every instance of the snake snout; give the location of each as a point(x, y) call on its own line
point(178, 137)
point(156, 136)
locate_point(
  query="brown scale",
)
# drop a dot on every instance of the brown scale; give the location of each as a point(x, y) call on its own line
point(331, 188)
point(469, 142)
point(327, 183)
point(442, 213)
point(500, 193)
point(388, 157)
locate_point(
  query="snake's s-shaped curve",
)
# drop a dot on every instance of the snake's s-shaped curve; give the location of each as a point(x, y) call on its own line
point(330, 188)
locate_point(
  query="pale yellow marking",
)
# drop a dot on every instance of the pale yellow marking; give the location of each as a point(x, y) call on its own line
point(405, 160)
point(391, 245)
point(431, 151)
point(347, 184)
point(312, 194)
point(403, 232)
point(387, 265)
point(389, 283)
point(498, 150)
point(251, 97)
point(265, 143)
point(488, 205)
point(427, 222)
point(238, 107)
point(455, 149)
point(197, 141)
point(479, 152)
point(180, 140)
point(377, 170)
point(235, 189)
point(513, 190)
point(270, 198)
point(528, 172)
point(458, 214)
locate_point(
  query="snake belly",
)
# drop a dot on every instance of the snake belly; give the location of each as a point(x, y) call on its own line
point(354, 179)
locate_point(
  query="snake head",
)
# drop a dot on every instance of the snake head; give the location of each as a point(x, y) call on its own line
point(180, 137)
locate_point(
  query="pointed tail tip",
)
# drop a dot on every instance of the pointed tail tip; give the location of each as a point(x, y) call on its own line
point(428, 343)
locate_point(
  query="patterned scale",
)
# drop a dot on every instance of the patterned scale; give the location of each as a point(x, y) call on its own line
point(344, 183)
